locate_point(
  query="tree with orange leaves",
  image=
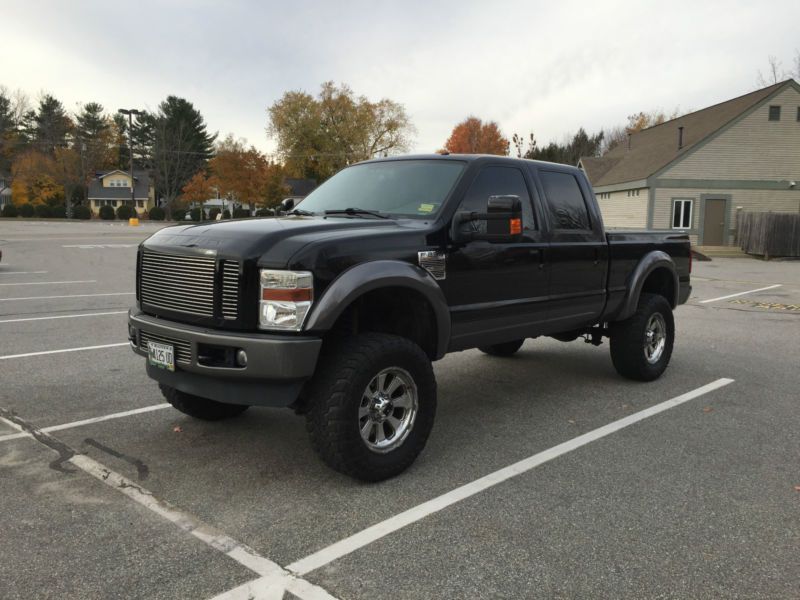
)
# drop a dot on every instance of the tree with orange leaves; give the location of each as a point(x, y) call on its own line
point(473, 136)
point(198, 189)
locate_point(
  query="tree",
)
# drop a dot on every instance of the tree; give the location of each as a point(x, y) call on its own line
point(181, 146)
point(473, 136)
point(51, 124)
point(776, 73)
point(95, 143)
point(34, 181)
point(318, 136)
point(13, 108)
point(198, 189)
point(636, 122)
point(569, 153)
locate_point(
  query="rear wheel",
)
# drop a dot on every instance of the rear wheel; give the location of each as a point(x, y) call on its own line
point(641, 345)
point(504, 349)
point(201, 408)
point(372, 405)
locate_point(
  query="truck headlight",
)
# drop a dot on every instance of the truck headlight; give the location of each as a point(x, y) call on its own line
point(286, 298)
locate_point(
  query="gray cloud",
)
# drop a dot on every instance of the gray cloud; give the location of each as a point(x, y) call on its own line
point(532, 66)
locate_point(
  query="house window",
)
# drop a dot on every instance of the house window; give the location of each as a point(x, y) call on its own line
point(681, 214)
point(140, 203)
point(774, 113)
point(798, 113)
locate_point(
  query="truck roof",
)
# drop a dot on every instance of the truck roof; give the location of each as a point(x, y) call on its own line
point(474, 158)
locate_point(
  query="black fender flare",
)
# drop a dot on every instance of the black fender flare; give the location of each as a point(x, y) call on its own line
point(365, 277)
point(650, 262)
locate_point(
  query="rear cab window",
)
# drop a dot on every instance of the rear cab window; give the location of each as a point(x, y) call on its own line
point(565, 202)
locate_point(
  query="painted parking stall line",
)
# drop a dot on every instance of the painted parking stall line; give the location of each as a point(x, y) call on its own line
point(49, 282)
point(280, 580)
point(74, 424)
point(412, 515)
point(63, 350)
point(100, 314)
point(763, 289)
point(23, 272)
point(66, 296)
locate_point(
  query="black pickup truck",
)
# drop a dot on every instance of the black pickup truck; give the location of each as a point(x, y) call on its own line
point(338, 308)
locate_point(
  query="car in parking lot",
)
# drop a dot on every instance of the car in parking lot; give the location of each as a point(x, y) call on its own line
point(338, 308)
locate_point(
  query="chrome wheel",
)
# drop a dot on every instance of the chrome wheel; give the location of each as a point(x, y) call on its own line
point(655, 338)
point(388, 409)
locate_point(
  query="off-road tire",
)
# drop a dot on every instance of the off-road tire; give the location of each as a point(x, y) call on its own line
point(344, 371)
point(628, 340)
point(504, 349)
point(201, 408)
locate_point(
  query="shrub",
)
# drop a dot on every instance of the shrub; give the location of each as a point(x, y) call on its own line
point(9, 210)
point(212, 214)
point(240, 213)
point(81, 212)
point(195, 214)
point(156, 214)
point(178, 214)
point(263, 212)
point(58, 212)
point(106, 213)
point(42, 211)
point(125, 212)
point(226, 214)
point(26, 210)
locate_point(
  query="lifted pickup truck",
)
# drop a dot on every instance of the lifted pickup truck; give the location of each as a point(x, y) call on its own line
point(338, 308)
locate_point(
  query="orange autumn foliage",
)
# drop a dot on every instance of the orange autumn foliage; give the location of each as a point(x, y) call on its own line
point(473, 136)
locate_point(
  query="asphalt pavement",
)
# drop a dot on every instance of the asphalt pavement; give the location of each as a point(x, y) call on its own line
point(700, 499)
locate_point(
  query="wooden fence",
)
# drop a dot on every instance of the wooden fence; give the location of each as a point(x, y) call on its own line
point(769, 234)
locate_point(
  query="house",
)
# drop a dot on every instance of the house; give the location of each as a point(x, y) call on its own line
point(222, 204)
point(113, 188)
point(694, 174)
point(5, 190)
point(299, 188)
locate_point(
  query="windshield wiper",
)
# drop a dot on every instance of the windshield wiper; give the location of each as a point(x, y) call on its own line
point(355, 211)
point(300, 212)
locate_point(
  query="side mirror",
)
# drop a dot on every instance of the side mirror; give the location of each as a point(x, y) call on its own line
point(503, 218)
point(287, 204)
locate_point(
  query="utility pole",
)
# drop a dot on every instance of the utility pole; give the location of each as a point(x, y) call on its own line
point(131, 112)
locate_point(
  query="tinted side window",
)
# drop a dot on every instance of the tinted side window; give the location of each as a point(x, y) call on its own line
point(565, 200)
point(499, 181)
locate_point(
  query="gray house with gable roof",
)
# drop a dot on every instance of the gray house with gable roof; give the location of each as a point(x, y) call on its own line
point(695, 173)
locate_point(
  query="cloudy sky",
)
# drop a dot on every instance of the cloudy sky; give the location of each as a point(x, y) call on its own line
point(547, 67)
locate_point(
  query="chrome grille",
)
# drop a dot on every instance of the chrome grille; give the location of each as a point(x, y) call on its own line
point(230, 289)
point(180, 283)
point(183, 349)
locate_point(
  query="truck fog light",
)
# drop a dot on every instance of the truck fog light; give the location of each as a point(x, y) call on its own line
point(241, 358)
point(131, 333)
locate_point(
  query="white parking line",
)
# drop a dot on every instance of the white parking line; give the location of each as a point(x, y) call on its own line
point(69, 296)
point(73, 424)
point(280, 579)
point(23, 272)
point(770, 287)
point(48, 282)
point(100, 314)
point(412, 515)
point(27, 354)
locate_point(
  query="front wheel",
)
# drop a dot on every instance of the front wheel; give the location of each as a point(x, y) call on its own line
point(641, 345)
point(372, 405)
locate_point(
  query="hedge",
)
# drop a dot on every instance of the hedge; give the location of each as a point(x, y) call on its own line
point(240, 213)
point(9, 210)
point(195, 214)
point(212, 214)
point(106, 213)
point(81, 212)
point(156, 214)
point(125, 212)
point(26, 210)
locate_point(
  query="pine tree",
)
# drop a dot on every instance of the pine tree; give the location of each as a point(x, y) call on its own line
point(51, 123)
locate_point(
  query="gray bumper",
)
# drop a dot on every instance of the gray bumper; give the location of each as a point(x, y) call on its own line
point(277, 366)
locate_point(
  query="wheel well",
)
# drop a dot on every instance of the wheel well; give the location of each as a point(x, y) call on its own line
point(396, 310)
point(660, 282)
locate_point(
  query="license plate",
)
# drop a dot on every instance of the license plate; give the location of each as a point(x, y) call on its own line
point(161, 355)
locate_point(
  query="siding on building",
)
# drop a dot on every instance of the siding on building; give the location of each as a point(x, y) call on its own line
point(622, 211)
point(748, 200)
point(753, 148)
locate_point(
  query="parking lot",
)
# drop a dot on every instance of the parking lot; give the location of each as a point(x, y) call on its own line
point(546, 475)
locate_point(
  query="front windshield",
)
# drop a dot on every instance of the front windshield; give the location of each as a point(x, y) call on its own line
point(404, 188)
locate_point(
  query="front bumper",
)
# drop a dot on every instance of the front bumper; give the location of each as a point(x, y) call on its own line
point(277, 366)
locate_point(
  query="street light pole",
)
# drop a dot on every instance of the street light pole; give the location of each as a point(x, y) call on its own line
point(131, 112)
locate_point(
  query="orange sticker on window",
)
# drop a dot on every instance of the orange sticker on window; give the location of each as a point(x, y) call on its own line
point(515, 226)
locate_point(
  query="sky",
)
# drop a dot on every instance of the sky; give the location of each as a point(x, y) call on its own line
point(541, 67)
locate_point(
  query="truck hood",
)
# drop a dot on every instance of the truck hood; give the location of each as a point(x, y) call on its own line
point(273, 241)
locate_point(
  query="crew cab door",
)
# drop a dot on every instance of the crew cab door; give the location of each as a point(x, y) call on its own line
point(497, 291)
point(578, 251)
